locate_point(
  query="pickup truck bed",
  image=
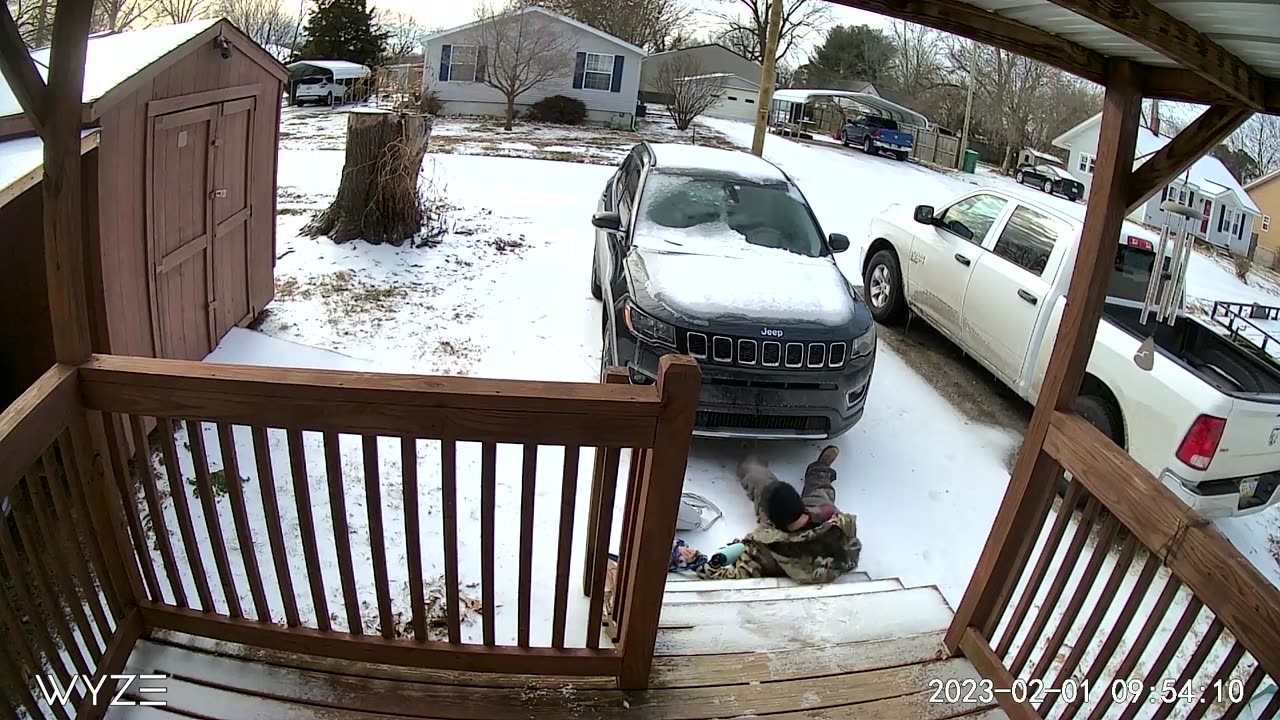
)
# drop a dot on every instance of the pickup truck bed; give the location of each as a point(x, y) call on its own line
point(1234, 370)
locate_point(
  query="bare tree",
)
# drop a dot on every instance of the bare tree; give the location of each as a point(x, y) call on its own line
point(518, 49)
point(114, 16)
point(180, 11)
point(689, 89)
point(744, 26)
point(266, 21)
point(916, 67)
point(405, 35)
point(1260, 138)
point(655, 25)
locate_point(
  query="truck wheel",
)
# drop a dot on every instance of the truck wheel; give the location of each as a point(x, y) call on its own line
point(596, 291)
point(1101, 413)
point(882, 284)
point(867, 147)
point(902, 156)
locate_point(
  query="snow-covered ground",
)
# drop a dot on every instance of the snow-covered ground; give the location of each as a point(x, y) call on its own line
point(505, 295)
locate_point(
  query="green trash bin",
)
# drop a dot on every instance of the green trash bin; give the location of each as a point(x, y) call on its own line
point(970, 161)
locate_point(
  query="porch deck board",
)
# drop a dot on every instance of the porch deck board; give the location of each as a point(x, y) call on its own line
point(880, 679)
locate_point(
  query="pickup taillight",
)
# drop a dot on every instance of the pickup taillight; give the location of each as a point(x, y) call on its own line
point(875, 133)
point(1201, 441)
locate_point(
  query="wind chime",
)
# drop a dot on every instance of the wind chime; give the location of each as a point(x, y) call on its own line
point(1168, 279)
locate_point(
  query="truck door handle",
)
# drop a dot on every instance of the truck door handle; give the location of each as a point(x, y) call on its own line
point(963, 260)
point(1028, 297)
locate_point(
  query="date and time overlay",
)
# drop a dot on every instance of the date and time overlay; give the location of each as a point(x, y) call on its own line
point(1120, 692)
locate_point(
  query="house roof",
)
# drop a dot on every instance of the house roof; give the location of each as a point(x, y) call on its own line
point(551, 14)
point(892, 109)
point(112, 60)
point(339, 68)
point(723, 77)
point(1263, 180)
point(22, 162)
point(705, 45)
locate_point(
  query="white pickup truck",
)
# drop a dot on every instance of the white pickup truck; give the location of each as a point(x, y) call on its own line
point(990, 270)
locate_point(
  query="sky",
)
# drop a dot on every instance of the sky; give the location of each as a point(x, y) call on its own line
point(449, 13)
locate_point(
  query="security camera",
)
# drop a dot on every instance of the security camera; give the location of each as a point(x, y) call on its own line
point(224, 46)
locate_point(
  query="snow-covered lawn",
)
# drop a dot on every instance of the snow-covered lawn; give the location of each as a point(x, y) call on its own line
point(505, 295)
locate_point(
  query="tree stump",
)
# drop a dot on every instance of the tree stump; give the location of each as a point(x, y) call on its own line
point(378, 198)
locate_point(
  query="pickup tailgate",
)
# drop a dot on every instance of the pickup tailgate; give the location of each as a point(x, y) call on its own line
point(894, 137)
point(1250, 442)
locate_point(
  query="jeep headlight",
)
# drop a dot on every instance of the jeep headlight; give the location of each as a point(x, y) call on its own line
point(863, 345)
point(649, 328)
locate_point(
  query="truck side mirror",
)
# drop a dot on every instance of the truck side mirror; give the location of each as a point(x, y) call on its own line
point(924, 214)
point(838, 242)
point(607, 221)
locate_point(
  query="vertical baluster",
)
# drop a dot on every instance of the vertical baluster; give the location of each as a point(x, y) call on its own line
point(1220, 679)
point(341, 535)
point(630, 517)
point(212, 523)
point(48, 598)
point(18, 643)
point(488, 489)
point(1194, 662)
point(150, 492)
point(81, 523)
point(413, 534)
point(27, 605)
point(96, 486)
point(1065, 511)
point(527, 481)
point(55, 555)
point(64, 523)
point(129, 499)
point(275, 534)
point(1057, 586)
point(1250, 687)
point(1140, 643)
point(178, 493)
point(564, 548)
point(1272, 710)
point(1171, 644)
point(240, 518)
point(608, 483)
point(307, 526)
point(377, 541)
point(449, 503)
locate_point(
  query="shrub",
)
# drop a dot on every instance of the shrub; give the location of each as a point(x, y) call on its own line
point(431, 104)
point(558, 109)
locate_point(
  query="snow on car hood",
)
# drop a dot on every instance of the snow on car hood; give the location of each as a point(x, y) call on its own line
point(764, 284)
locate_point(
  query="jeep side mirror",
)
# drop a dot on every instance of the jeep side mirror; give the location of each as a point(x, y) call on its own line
point(607, 221)
point(838, 242)
point(924, 214)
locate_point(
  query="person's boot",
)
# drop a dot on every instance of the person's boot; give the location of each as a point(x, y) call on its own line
point(828, 455)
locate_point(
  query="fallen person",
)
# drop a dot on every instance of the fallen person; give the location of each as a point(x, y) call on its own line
point(802, 535)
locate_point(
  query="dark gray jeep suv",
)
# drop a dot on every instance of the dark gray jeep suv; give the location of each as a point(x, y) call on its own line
point(716, 254)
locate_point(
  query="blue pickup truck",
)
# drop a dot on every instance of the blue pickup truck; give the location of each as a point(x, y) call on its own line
point(876, 134)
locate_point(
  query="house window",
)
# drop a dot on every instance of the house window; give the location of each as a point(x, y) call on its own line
point(731, 97)
point(598, 72)
point(1087, 163)
point(1182, 196)
point(462, 63)
point(1266, 223)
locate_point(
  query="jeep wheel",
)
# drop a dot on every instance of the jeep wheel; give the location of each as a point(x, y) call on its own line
point(882, 283)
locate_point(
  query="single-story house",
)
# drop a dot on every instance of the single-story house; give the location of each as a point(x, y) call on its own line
point(1207, 186)
point(709, 59)
point(1265, 193)
point(599, 69)
point(178, 188)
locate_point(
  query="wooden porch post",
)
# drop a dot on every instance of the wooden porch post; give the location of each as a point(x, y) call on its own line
point(1031, 487)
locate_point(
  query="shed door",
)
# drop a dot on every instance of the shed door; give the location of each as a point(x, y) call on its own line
point(199, 206)
point(181, 174)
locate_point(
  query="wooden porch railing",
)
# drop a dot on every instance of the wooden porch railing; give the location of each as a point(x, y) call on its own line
point(236, 467)
point(1133, 595)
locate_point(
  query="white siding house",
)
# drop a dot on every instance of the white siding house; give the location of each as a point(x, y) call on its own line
point(1208, 186)
point(601, 71)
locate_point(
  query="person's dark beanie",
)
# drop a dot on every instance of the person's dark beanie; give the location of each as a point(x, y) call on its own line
point(782, 504)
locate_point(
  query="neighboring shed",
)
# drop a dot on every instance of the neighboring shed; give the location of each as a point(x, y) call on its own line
point(699, 59)
point(179, 196)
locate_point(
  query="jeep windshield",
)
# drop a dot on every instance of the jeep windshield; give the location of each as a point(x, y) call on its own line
point(711, 215)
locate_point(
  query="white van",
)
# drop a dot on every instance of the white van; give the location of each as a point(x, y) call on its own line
point(327, 82)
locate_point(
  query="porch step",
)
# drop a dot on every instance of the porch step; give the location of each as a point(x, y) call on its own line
point(701, 628)
point(685, 583)
point(784, 592)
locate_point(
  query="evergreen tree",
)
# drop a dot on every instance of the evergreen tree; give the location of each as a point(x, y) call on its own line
point(854, 52)
point(344, 30)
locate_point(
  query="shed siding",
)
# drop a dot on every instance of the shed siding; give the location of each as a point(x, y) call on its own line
point(123, 187)
point(474, 97)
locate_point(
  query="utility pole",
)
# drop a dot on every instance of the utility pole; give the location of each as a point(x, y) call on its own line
point(768, 77)
point(968, 104)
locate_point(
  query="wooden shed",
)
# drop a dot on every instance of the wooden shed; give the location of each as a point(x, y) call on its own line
point(179, 158)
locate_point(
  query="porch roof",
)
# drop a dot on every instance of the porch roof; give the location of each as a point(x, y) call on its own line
point(22, 162)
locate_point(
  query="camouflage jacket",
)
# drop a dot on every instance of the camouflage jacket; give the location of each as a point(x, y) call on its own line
point(813, 555)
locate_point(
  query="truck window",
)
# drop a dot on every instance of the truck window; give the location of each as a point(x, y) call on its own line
point(1028, 239)
point(1132, 272)
point(972, 217)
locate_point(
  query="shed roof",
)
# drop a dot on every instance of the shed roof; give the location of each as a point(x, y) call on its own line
point(22, 162)
point(111, 60)
point(891, 109)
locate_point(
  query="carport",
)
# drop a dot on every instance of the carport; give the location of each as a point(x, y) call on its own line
point(804, 110)
point(1216, 52)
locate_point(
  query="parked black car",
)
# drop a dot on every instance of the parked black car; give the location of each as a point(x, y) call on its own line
point(1051, 179)
point(716, 254)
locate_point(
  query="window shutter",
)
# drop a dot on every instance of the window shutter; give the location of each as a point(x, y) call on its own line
point(1164, 194)
point(617, 74)
point(1191, 199)
point(1222, 215)
point(445, 52)
point(579, 70)
point(482, 58)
